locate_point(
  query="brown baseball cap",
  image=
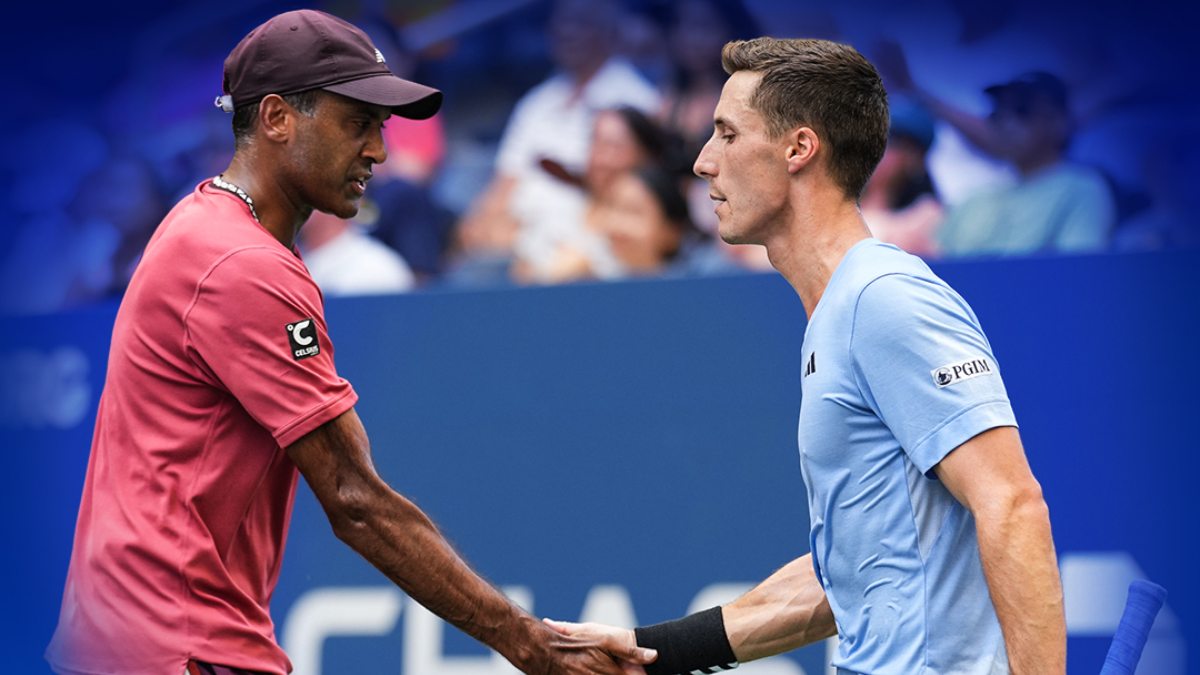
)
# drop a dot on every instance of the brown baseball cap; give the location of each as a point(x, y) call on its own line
point(306, 49)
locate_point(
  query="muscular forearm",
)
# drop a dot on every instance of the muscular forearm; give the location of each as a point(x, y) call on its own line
point(395, 536)
point(1019, 563)
point(787, 610)
point(398, 538)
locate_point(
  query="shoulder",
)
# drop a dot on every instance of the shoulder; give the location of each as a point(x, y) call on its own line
point(1076, 181)
point(251, 283)
point(899, 296)
point(544, 93)
point(204, 233)
point(903, 300)
point(872, 261)
point(256, 264)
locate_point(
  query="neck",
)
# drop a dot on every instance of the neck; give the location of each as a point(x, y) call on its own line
point(876, 195)
point(279, 212)
point(582, 75)
point(1033, 165)
point(808, 249)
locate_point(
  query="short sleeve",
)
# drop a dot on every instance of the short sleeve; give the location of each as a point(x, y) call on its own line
point(925, 367)
point(257, 324)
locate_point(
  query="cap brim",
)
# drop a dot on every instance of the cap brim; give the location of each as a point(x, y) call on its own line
point(406, 99)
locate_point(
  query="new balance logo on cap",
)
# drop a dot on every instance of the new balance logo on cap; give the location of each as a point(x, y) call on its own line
point(302, 336)
point(811, 366)
point(954, 373)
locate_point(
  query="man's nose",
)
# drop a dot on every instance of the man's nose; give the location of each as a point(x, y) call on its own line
point(705, 167)
point(376, 149)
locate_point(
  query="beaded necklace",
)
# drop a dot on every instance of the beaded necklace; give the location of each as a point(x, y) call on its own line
point(225, 185)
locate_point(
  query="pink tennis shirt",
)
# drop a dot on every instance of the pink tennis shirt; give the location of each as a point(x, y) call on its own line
point(220, 359)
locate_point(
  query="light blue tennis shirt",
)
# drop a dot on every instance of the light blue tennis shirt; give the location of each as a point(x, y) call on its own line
point(897, 374)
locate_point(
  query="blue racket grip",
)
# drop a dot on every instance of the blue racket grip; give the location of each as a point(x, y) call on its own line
point(1145, 599)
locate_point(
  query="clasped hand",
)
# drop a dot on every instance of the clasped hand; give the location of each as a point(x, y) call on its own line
point(619, 643)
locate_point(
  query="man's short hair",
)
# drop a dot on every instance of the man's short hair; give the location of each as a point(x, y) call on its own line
point(823, 85)
point(245, 118)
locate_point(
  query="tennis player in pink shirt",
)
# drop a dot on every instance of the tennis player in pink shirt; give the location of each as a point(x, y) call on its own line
point(221, 390)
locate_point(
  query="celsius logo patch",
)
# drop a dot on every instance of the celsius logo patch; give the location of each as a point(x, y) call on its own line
point(957, 372)
point(302, 336)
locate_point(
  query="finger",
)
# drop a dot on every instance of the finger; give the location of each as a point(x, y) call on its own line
point(561, 627)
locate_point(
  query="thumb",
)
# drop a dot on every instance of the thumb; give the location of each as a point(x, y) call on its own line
point(638, 654)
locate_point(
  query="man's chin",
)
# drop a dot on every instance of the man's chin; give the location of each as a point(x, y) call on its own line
point(345, 210)
point(735, 238)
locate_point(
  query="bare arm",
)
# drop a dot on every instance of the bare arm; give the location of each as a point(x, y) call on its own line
point(991, 477)
point(787, 610)
point(893, 67)
point(394, 535)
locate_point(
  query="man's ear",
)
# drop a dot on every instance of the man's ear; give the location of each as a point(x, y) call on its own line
point(802, 148)
point(276, 119)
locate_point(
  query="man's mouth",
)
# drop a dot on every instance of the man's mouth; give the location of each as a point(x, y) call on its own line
point(360, 183)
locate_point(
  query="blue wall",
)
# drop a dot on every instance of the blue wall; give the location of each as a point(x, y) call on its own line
point(625, 447)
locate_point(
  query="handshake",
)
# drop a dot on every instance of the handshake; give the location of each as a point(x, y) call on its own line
point(695, 643)
point(600, 648)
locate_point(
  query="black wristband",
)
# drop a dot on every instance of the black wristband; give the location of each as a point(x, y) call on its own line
point(694, 644)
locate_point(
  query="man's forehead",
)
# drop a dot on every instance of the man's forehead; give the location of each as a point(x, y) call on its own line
point(734, 104)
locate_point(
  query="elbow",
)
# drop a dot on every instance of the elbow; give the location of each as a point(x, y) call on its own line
point(349, 510)
point(1022, 503)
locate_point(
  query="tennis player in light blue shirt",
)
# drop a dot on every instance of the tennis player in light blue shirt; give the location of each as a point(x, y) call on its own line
point(897, 375)
point(931, 549)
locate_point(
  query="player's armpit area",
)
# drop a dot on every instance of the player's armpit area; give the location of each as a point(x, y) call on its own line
point(989, 470)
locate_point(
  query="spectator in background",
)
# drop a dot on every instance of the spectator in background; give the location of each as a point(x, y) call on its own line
point(623, 139)
point(899, 202)
point(1055, 205)
point(647, 225)
point(402, 212)
point(696, 32)
point(525, 212)
point(345, 260)
point(123, 197)
point(88, 250)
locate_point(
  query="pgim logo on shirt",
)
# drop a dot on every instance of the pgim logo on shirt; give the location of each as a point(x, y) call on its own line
point(953, 373)
point(302, 336)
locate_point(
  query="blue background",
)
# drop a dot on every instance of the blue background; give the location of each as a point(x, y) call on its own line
point(643, 435)
point(639, 434)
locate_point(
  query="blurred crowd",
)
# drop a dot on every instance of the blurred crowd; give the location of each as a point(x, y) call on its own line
point(565, 148)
